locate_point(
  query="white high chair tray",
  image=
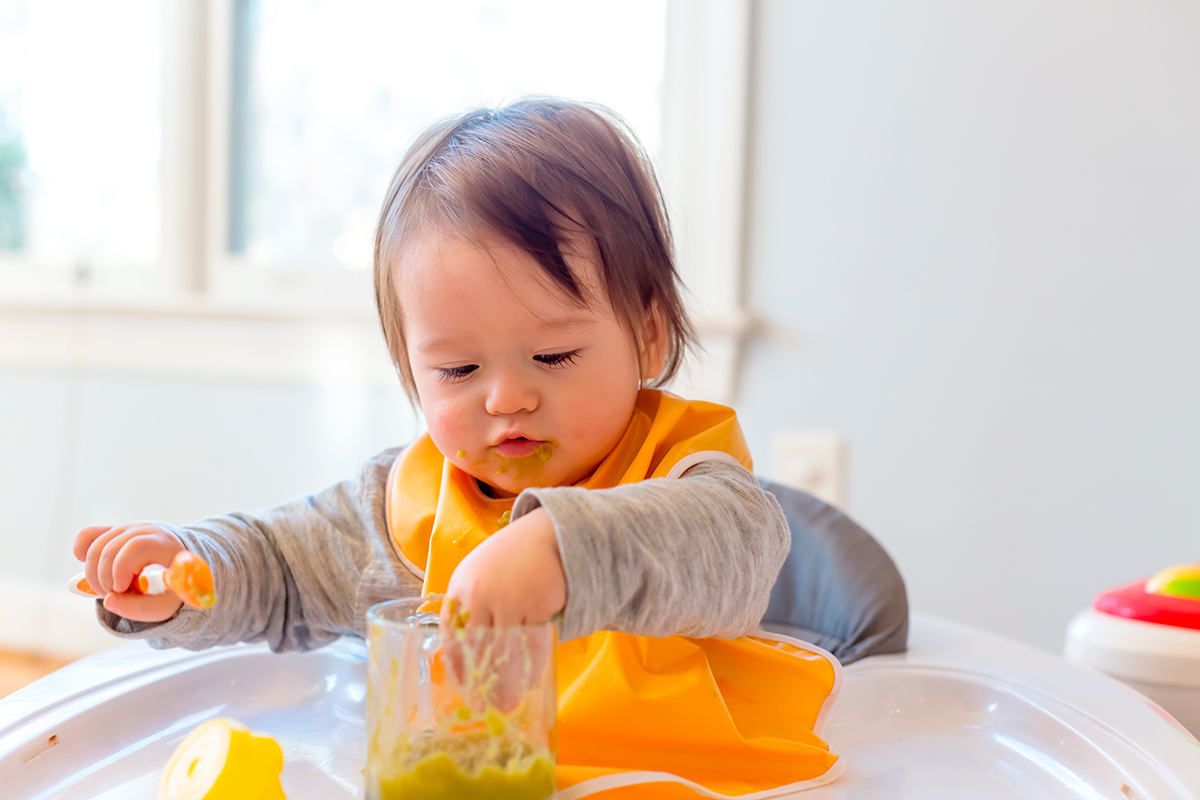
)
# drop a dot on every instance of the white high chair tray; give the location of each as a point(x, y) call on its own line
point(963, 714)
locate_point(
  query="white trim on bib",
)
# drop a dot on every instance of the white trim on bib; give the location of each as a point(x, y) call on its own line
point(689, 461)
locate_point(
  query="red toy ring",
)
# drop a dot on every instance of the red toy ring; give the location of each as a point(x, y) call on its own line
point(1134, 602)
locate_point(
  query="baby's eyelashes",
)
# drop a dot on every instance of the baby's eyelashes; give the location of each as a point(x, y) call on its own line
point(451, 374)
point(555, 360)
point(558, 359)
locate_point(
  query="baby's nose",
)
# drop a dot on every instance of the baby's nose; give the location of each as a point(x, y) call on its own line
point(510, 395)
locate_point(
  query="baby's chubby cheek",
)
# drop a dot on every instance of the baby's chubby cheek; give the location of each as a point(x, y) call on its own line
point(595, 424)
point(450, 428)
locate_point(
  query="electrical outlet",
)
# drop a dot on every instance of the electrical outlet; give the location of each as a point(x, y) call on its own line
point(812, 461)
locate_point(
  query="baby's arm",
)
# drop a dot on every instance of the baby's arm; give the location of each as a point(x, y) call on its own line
point(297, 575)
point(695, 556)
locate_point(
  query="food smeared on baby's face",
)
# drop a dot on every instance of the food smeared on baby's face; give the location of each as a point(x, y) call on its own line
point(523, 458)
point(535, 387)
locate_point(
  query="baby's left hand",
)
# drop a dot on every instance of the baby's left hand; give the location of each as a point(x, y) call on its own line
point(515, 577)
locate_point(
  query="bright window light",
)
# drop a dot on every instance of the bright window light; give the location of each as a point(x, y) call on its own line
point(80, 131)
point(328, 94)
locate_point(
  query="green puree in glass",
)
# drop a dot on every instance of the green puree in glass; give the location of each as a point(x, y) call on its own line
point(438, 776)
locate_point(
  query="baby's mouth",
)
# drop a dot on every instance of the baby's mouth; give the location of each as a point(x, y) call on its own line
point(518, 447)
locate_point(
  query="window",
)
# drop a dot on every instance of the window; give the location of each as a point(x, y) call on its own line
point(216, 158)
point(326, 96)
point(80, 135)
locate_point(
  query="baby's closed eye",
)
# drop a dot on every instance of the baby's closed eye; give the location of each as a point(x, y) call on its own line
point(451, 374)
point(557, 359)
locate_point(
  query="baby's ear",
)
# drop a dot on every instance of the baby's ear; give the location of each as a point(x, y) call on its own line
point(653, 356)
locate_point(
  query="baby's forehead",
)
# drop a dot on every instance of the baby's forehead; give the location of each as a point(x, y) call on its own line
point(440, 262)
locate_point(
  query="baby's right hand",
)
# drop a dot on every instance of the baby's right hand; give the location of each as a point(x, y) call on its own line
point(115, 554)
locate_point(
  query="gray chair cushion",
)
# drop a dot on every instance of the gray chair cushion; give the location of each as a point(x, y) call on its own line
point(838, 588)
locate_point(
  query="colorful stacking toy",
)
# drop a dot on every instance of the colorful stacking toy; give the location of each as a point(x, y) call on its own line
point(1147, 634)
point(1172, 597)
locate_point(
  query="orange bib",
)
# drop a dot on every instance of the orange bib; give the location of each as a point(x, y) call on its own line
point(643, 717)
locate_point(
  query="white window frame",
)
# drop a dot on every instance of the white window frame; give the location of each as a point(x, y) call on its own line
point(706, 118)
point(233, 277)
point(199, 285)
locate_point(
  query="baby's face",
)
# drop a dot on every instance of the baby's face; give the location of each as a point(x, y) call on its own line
point(520, 386)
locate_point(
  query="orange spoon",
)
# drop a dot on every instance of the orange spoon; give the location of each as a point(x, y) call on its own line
point(188, 577)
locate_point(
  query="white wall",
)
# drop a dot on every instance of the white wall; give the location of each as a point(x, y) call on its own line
point(974, 237)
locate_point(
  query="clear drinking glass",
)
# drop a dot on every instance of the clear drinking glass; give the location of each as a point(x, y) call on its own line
point(458, 712)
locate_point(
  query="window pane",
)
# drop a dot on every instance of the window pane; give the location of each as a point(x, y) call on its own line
point(327, 95)
point(80, 131)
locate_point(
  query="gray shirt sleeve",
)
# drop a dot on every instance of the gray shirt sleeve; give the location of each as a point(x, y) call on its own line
point(696, 555)
point(297, 575)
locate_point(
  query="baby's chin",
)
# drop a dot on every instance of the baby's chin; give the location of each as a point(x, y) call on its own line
point(508, 477)
point(503, 485)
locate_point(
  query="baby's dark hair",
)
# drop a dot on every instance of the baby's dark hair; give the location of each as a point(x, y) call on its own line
point(545, 175)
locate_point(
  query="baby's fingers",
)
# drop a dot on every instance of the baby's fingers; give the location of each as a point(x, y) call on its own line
point(540, 643)
point(464, 606)
point(520, 660)
point(84, 539)
point(142, 607)
point(101, 582)
point(452, 655)
point(108, 556)
point(136, 553)
point(510, 667)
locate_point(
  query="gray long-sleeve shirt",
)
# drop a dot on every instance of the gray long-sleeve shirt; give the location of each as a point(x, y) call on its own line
point(695, 555)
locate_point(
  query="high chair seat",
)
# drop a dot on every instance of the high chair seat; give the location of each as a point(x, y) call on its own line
point(838, 588)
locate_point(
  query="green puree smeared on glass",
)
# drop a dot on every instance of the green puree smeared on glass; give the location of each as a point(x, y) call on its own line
point(458, 712)
point(438, 776)
point(489, 759)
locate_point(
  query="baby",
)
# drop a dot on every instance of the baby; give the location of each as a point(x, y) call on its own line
point(526, 288)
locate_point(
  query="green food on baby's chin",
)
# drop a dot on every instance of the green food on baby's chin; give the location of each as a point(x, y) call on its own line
point(531, 465)
point(461, 454)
